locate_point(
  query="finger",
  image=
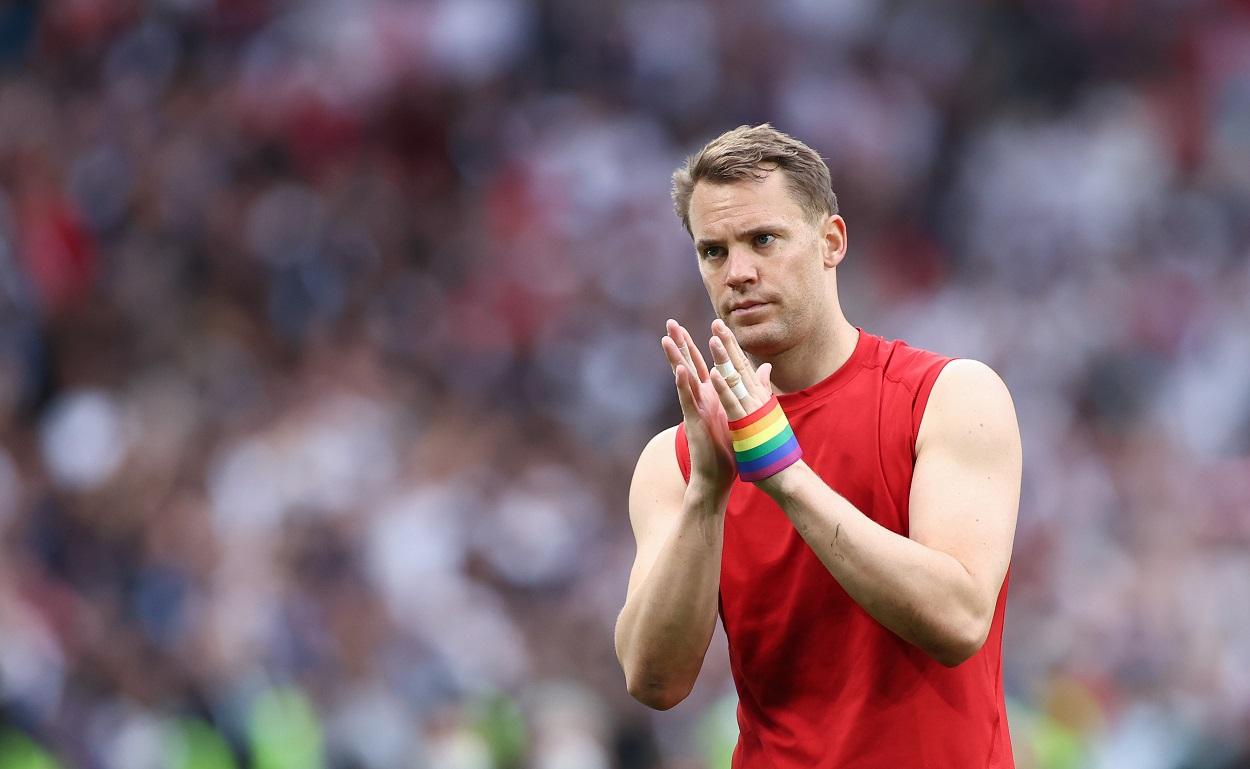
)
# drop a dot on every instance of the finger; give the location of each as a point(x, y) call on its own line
point(680, 339)
point(765, 374)
point(720, 355)
point(672, 353)
point(685, 393)
point(700, 365)
point(734, 408)
point(739, 358)
point(731, 372)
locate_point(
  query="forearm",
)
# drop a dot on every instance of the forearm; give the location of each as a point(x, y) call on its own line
point(925, 596)
point(665, 627)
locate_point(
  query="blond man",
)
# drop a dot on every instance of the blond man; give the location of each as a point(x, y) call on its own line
point(845, 503)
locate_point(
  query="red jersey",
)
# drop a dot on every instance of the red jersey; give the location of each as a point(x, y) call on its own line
point(821, 684)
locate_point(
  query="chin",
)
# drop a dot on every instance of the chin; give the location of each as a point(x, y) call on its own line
point(759, 339)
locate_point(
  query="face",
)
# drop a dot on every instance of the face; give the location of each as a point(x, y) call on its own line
point(764, 260)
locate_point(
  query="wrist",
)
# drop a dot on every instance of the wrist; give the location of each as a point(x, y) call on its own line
point(706, 493)
point(782, 485)
point(764, 444)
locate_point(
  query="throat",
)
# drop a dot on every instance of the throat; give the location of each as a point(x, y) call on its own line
point(813, 360)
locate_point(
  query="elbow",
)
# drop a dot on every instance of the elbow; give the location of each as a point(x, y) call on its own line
point(654, 688)
point(952, 656)
point(960, 644)
point(656, 694)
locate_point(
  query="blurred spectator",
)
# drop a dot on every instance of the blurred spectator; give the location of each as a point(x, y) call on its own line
point(314, 438)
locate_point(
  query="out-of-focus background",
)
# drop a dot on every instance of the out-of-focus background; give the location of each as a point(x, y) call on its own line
point(329, 338)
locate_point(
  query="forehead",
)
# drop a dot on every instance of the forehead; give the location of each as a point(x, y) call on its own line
point(717, 208)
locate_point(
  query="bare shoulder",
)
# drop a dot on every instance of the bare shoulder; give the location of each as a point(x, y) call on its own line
point(661, 442)
point(970, 409)
point(659, 455)
point(657, 482)
point(655, 499)
point(965, 492)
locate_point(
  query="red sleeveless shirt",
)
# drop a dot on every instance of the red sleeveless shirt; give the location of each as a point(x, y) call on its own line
point(821, 684)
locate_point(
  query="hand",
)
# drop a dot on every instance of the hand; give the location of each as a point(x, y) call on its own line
point(707, 426)
point(725, 348)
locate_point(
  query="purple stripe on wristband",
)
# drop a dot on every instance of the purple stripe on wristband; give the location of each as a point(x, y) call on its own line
point(784, 449)
point(775, 467)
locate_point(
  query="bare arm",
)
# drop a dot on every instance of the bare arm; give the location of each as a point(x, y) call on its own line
point(938, 588)
point(664, 630)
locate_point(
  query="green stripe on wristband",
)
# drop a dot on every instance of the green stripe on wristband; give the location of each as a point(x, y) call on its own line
point(769, 455)
point(765, 448)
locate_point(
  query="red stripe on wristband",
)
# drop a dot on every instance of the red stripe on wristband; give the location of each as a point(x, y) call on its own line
point(754, 416)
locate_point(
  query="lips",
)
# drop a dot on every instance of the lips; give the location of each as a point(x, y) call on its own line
point(745, 306)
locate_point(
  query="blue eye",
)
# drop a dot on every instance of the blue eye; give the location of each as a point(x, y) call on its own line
point(764, 239)
point(711, 252)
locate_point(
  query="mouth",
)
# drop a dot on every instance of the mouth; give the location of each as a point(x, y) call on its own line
point(747, 308)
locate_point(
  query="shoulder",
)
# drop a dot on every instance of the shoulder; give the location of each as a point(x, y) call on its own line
point(964, 380)
point(658, 483)
point(909, 365)
point(658, 462)
point(969, 408)
point(911, 373)
point(660, 445)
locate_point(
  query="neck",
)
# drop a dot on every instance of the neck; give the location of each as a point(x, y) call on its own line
point(814, 358)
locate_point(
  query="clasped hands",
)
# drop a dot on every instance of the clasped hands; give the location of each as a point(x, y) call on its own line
point(682, 353)
point(707, 400)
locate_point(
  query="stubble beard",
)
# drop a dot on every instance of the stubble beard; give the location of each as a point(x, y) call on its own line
point(762, 340)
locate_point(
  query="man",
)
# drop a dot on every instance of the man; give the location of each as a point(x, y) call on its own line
point(861, 586)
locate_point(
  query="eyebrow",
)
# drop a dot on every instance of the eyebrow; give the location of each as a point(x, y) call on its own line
point(703, 243)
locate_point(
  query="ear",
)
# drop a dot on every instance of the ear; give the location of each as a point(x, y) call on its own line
point(833, 232)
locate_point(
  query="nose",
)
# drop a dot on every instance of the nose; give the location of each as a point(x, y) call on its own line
point(740, 269)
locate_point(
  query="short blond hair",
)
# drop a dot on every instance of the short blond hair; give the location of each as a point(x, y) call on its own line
point(752, 152)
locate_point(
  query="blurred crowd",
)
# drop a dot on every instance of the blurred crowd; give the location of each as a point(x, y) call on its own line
point(329, 338)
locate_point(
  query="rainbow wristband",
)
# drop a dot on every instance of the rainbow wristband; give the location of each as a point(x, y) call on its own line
point(764, 444)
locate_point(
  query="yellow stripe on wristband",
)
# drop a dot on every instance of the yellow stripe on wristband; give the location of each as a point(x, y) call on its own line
point(771, 426)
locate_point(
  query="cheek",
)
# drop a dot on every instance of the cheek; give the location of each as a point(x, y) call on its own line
point(708, 285)
point(806, 293)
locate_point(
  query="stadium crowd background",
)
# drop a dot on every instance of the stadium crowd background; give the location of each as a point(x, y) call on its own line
point(329, 337)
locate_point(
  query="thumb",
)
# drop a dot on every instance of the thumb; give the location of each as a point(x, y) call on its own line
point(765, 373)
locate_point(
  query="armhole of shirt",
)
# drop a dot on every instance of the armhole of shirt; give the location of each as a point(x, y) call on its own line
point(683, 451)
point(927, 380)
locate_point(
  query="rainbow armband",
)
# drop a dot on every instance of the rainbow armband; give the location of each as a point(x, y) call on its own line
point(764, 444)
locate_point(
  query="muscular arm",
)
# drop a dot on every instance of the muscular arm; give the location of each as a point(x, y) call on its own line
point(938, 588)
point(664, 630)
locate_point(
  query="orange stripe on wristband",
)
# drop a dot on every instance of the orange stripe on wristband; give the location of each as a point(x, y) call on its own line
point(764, 443)
point(769, 427)
point(754, 416)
